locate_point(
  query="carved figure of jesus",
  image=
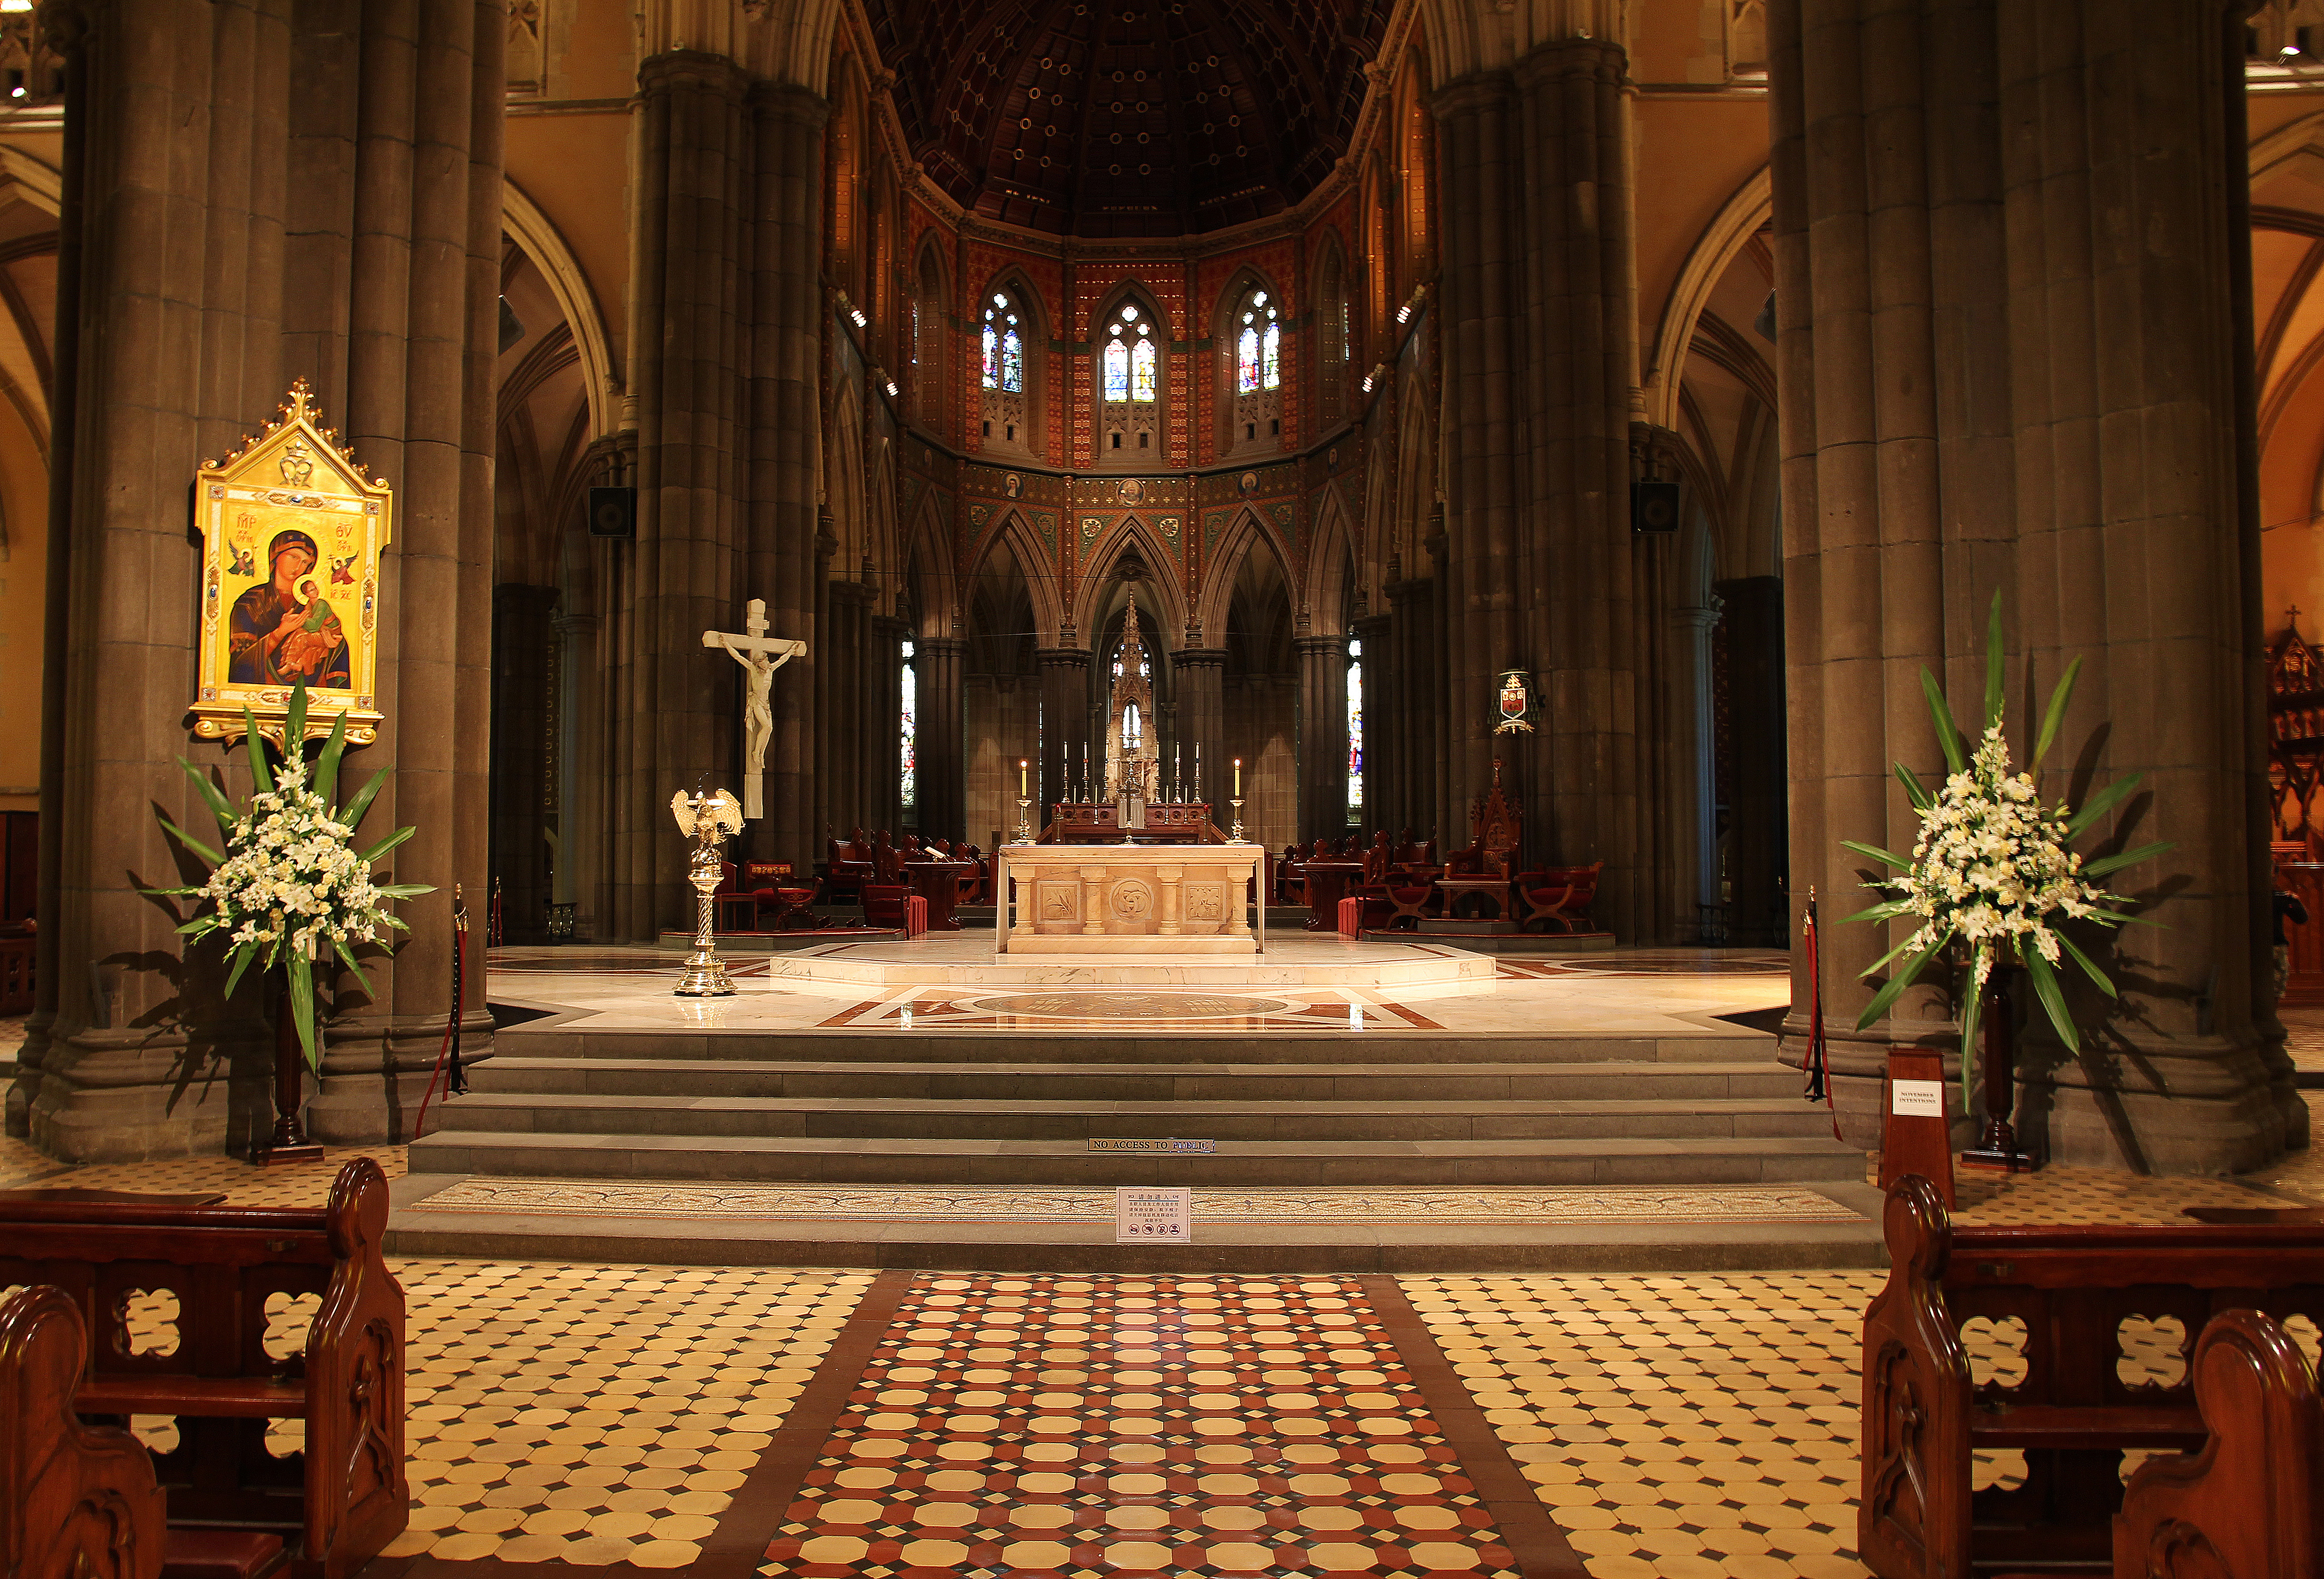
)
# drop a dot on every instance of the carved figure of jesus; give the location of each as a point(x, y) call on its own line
point(760, 656)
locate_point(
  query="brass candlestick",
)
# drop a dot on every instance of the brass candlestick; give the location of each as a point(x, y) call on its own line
point(1235, 833)
point(1024, 820)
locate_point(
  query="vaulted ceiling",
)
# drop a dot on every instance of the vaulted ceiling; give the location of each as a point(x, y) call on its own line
point(1137, 117)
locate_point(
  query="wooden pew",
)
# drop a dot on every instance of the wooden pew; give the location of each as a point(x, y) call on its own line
point(2072, 1414)
point(345, 1495)
point(74, 1500)
point(2249, 1504)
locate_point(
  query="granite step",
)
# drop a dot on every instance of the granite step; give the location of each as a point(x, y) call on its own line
point(1372, 1044)
point(873, 1118)
point(1185, 1082)
point(953, 1160)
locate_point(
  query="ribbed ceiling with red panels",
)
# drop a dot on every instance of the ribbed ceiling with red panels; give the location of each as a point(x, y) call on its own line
point(1137, 119)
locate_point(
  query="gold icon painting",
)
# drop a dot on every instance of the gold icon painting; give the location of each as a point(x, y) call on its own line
point(292, 532)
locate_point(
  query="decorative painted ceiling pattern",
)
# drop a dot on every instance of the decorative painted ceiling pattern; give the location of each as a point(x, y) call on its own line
point(1137, 117)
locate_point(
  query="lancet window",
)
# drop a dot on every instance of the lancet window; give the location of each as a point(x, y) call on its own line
point(1129, 389)
point(1003, 375)
point(1256, 324)
point(1355, 731)
point(909, 738)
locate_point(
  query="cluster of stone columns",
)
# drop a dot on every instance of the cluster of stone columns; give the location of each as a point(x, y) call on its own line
point(255, 192)
point(1541, 571)
point(2021, 364)
point(726, 313)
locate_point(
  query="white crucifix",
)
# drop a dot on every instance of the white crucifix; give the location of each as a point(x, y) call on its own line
point(760, 655)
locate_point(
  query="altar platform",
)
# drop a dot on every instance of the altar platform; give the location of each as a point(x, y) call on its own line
point(966, 959)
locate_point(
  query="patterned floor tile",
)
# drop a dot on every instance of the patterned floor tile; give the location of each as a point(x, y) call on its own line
point(1189, 1427)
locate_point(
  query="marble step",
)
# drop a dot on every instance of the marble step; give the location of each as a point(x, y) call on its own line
point(1184, 1082)
point(1716, 1044)
point(868, 1118)
point(1602, 1160)
point(1708, 1242)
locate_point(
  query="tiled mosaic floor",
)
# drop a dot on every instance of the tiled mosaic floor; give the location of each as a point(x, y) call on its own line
point(1115, 1425)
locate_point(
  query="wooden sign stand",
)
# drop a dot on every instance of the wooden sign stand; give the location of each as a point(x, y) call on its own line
point(1919, 1138)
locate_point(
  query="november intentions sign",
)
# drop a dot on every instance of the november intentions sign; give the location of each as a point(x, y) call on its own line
point(1155, 1215)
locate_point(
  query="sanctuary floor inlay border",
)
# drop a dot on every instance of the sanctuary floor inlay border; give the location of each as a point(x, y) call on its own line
point(789, 1203)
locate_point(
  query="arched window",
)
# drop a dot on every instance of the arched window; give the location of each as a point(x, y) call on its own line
point(1130, 388)
point(1355, 731)
point(909, 739)
point(1332, 337)
point(1255, 331)
point(1005, 375)
point(1133, 734)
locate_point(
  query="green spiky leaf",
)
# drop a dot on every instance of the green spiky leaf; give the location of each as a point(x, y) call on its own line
point(2104, 801)
point(1919, 792)
point(2106, 864)
point(2054, 999)
point(351, 814)
point(241, 960)
point(1875, 967)
point(2090, 966)
point(1903, 979)
point(220, 807)
point(347, 959)
point(385, 844)
point(1948, 733)
point(301, 970)
point(1888, 909)
point(1901, 863)
point(327, 766)
point(402, 891)
point(1993, 664)
point(294, 722)
point(193, 844)
point(253, 746)
point(2055, 714)
point(1972, 1015)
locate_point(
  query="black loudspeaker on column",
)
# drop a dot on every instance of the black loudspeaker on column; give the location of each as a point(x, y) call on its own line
point(613, 513)
point(1653, 506)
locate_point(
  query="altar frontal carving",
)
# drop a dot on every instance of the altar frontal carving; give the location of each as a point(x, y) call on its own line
point(291, 536)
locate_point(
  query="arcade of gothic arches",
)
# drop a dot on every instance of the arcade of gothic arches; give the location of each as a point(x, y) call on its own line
point(1333, 334)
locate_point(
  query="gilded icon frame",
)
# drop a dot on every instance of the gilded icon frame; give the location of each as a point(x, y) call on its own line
point(289, 495)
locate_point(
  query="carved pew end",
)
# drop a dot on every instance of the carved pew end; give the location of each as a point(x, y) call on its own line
point(219, 1553)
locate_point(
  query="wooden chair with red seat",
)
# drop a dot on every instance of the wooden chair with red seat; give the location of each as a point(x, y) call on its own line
point(883, 904)
point(730, 900)
point(772, 886)
point(1557, 896)
point(847, 868)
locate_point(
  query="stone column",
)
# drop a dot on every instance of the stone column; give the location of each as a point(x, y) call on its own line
point(1691, 805)
point(1322, 737)
point(676, 721)
point(1539, 337)
point(1201, 674)
point(1065, 725)
point(522, 710)
point(162, 97)
point(184, 313)
point(942, 678)
point(1985, 349)
point(785, 295)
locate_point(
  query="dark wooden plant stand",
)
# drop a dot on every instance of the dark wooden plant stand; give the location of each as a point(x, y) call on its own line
point(1996, 1150)
point(288, 1143)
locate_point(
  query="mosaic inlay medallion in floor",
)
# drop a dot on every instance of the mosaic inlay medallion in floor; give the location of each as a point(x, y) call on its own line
point(782, 1203)
point(1128, 1005)
point(931, 1008)
point(1101, 1426)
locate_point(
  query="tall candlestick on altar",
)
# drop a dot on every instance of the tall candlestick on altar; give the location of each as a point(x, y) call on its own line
point(1021, 765)
point(1238, 765)
point(1198, 770)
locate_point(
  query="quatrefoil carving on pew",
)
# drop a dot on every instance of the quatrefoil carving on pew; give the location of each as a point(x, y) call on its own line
point(2152, 1351)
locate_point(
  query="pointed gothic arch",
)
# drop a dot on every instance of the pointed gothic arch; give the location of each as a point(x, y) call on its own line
point(1328, 581)
point(1007, 420)
point(1095, 576)
point(938, 606)
point(929, 336)
point(1015, 535)
point(1222, 568)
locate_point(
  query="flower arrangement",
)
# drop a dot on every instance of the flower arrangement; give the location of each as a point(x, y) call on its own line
point(291, 881)
point(1992, 869)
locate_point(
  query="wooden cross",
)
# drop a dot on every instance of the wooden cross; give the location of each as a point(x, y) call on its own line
point(760, 655)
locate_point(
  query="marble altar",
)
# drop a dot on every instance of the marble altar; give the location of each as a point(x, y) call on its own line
point(1124, 899)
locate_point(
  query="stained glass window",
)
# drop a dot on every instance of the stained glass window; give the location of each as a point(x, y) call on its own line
point(1270, 358)
point(1258, 346)
point(1133, 731)
point(1004, 348)
point(1355, 731)
point(1117, 371)
point(1141, 369)
point(1247, 357)
point(908, 736)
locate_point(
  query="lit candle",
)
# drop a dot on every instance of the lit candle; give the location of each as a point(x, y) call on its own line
point(1238, 761)
point(1020, 778)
